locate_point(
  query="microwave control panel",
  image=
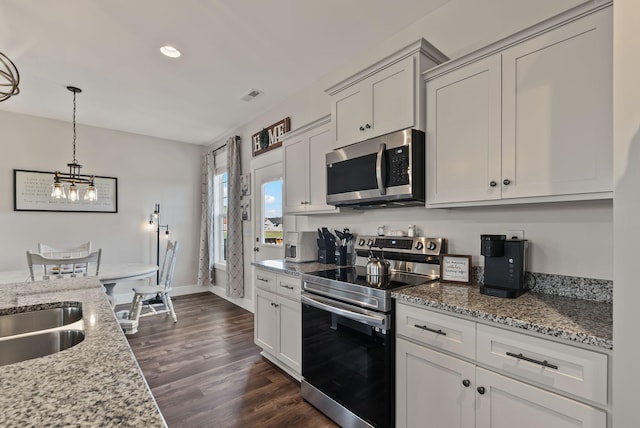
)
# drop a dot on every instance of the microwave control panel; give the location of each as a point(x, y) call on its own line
point(398, 166)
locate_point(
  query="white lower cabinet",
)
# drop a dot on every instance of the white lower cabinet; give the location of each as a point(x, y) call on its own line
point(438, 387)
point(278, 320)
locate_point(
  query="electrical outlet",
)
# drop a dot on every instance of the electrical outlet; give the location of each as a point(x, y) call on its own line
point(515, 234)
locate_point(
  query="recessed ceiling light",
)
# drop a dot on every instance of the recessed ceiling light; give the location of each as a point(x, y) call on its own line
point(170, 51)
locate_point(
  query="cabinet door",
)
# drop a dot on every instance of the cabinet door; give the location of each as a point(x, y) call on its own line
point(430, 390)
point(463, 134)
point(290, 333)
point(265, 321)
point(393, 98)
point(351, 111)
point(557, 103)
point(296, 175)
point(319, 145)
point(506, 403)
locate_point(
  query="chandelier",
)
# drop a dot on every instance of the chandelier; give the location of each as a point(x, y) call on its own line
point(73, 178)
point(9, 72)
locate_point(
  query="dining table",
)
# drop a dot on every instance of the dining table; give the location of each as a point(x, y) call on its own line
point(109, 275)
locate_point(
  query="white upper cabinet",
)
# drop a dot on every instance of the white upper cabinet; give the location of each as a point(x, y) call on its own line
point(528, 119)
point(383, 98)
point(305, 172)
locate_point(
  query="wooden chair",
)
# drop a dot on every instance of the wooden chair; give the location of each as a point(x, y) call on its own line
point(81, 250)
point(64, 267)
point(129, 319)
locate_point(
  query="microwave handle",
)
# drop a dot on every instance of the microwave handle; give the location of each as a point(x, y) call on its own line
point(380, 171)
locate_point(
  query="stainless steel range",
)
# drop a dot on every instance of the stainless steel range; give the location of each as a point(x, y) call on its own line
point(348, 332)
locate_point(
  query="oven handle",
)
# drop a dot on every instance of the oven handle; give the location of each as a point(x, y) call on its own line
point(322, 303)
point(380, 171)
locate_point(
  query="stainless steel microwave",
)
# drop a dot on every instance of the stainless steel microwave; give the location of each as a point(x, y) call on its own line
point(384, 171)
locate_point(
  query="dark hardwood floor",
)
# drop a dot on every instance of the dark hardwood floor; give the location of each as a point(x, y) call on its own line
point(205, 370)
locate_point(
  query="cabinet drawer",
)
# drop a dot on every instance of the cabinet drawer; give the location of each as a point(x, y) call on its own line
point(437, 330)
point(288, 286)
point(266, 280)
point(565, 368)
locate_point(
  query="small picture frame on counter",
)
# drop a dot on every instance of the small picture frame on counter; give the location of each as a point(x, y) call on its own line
point(455, 268)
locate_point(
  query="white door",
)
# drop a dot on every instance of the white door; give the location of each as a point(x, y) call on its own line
point(267, 214)
point(433, 389)
point(463, 134)
point(504, 403)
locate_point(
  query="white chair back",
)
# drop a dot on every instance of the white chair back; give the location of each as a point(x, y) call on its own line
point(168, 264)
point(65, 267)
point(58, 253)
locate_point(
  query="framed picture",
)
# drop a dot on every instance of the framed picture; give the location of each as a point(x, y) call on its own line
point(245, 184)
point(245, 208)
point(455, 268)
point(32, 192)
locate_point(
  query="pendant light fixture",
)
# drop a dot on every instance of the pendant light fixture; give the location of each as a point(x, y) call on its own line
point(73, 177)
point(8, 72)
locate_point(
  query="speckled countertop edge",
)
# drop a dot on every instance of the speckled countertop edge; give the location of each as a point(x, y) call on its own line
point(290, 268)
point(96, 383)
point(576, 320)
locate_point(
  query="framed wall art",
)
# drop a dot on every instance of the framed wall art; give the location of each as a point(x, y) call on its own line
point(245, 184)
point(32, 192)
point(455, 268)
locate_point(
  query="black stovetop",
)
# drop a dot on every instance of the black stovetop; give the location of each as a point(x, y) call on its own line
point(358, 275)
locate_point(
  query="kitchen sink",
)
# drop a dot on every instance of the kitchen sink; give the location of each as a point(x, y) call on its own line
point(23, 348)
point(36, 320)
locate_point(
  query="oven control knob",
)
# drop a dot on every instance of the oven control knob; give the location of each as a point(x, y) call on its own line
point(370, 243)
point(432, 246)
point(419, 246)
point(361, 242)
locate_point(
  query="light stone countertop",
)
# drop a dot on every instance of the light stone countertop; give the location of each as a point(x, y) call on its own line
point(290, 268)
point(96, 383)
point(572, 319)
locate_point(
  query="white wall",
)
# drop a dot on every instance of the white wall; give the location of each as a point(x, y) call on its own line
point(149, 170)
point(626, 115)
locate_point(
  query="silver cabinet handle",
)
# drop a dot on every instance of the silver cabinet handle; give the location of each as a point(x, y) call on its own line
point(286, 286)
point(262, 279)
point(544, 363)
point(424, 327)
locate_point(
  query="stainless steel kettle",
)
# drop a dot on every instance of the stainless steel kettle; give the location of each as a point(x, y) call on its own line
point(377, 266)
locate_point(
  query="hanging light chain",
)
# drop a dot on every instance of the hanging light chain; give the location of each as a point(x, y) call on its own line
point(74, 127)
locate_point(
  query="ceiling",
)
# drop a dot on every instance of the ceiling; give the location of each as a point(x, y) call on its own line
point(110, 49)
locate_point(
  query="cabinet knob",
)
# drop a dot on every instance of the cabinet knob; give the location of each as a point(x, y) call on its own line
point(367, 126)
point(493, 184)
point(362, 128)
point(481, 390)
point(506, 182)
point(466, 383)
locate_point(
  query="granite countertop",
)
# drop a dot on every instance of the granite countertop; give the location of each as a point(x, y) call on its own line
point(96, 383)
point(290, 268)
point(572, 319)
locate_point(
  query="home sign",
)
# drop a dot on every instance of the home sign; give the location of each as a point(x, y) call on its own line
point(269, 138)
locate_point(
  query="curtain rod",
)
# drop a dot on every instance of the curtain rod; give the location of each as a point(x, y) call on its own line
point(224, 146)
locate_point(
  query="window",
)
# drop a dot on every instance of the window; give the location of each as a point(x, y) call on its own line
point(220, 194)
point(272, 212)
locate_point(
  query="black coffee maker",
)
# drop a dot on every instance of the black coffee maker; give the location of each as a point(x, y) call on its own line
point(505, 262)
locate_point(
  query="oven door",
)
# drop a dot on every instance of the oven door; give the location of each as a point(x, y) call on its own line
point(348, 355)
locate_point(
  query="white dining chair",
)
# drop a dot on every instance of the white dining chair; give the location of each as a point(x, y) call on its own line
point(62, 267)
point(129, 320)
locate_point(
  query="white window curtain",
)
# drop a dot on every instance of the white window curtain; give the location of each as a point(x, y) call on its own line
point(235, 264)
point(211, 162)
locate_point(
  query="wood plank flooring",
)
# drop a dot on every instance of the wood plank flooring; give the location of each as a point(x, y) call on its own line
point(205, 370)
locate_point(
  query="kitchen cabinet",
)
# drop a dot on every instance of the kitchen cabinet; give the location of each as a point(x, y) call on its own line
point(527, 119)
point(305, 172)
point(455, 372)
point(383, 98)
point(278, 320)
